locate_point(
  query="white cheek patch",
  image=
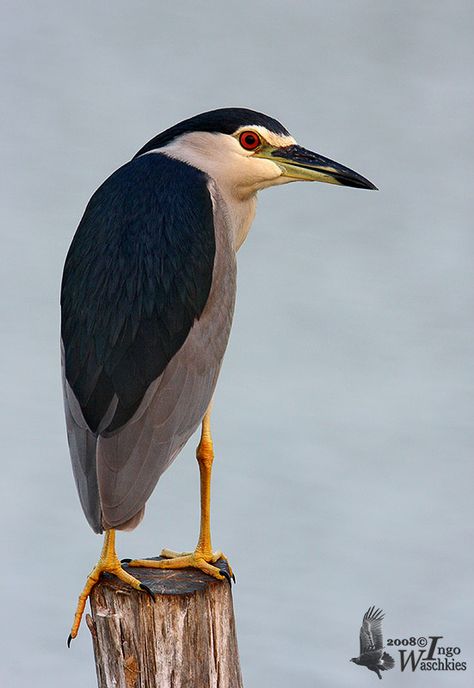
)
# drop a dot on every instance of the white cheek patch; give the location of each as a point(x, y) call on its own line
point(198, 148)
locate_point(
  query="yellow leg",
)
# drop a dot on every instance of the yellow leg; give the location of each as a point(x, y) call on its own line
point(205, 458)
point(203, 557)
point(108, 562)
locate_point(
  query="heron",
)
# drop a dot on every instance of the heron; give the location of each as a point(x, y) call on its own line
point(147, 300)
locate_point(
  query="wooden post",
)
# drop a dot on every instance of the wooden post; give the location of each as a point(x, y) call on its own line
point(186, 638)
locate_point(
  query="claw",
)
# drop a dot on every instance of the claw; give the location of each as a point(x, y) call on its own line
point(125, 561)
point(225, 574)
point(69, 638)
point(146, 589)
point(233, 576)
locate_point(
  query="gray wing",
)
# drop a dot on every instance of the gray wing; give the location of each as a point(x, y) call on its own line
point(371, 631)
point(82, 447)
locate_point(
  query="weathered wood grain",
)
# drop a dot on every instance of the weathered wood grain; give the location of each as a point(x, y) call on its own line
point(186, 638)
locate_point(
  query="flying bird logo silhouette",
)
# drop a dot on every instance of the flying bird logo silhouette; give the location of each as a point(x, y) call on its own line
point(372, 653)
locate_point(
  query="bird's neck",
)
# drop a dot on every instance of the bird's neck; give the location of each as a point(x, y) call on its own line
point(240, 213)
point(240, 200)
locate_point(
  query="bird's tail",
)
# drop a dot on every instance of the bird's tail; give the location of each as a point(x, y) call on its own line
point(388, 661)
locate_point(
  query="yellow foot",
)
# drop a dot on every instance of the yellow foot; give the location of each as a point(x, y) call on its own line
point(183, 560)
point(108, 563)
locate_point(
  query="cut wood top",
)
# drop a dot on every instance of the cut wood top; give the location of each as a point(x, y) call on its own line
point(168, 581)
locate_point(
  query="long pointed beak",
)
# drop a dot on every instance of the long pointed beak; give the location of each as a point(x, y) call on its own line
point(299, 163)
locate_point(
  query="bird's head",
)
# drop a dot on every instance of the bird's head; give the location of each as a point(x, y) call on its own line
point(246, 151)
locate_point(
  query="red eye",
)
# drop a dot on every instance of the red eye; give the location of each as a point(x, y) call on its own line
point(249, 140)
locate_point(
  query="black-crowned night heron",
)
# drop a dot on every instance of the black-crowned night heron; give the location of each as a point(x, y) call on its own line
point(147, 302)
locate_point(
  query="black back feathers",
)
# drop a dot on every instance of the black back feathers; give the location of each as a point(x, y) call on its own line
point(221, 121)
point(137, 275)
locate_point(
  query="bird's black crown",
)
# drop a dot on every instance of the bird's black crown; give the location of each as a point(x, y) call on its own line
point(221, 121)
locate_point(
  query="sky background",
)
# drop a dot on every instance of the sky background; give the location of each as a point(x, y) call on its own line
point(343, 415)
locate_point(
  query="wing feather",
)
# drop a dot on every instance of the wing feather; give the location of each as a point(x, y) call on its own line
point(82, 447)
point(371, 631)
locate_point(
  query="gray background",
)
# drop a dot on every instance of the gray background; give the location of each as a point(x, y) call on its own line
point(343, 415)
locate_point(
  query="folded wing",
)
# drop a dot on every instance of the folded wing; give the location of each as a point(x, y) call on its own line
point(136, 287)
